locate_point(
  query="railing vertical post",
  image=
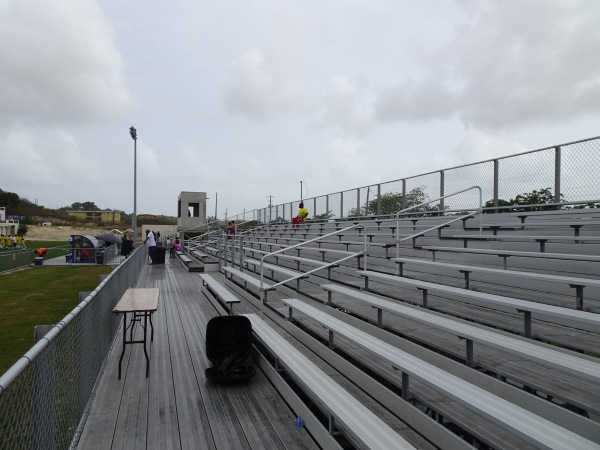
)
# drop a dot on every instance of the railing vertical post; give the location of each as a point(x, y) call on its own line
point(405, 386)
point(224, 249)
point(378, 199)
point(365, 248)
point(442, 181)
point(496, 181)
point(557, 172)
point(220, 251)
point(263, 293)
point(241, 239)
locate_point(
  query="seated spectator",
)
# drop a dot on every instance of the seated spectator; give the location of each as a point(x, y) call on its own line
point(232, 227)
point(301, 217)
point(175, 248)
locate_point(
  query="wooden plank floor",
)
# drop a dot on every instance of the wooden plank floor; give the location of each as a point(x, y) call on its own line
point(176, 407)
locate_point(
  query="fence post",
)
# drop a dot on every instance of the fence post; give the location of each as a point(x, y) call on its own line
point(341, 205)
point(557, 171)
point(327, 205)
point(44, 397)
point(496, 181)
point(314, 207)
point(403, 194)
point(442, 181)
point(379, 199)
point(358, 202)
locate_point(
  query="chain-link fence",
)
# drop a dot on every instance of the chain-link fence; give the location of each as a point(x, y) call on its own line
point(45, 395)
point(19, 258)
point(566, 173)
point(10, 260)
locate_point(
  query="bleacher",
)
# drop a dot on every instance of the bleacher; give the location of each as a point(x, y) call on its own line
point(502, 358)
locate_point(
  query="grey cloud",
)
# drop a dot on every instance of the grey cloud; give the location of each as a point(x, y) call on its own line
point(344, 107)
point(262, 85)
point(59, 63)
point(423, 101)
point(510, 63)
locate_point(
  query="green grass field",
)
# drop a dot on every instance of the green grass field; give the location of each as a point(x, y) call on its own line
point(39, 296)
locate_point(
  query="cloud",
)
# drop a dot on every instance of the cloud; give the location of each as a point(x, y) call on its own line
point(262, 85)
point(46, 164)
point(59, 63)
point(420, 101)
point(476, 145)
point(529, 62)
point(509, 64)
point(345, 106)
point(348, 159)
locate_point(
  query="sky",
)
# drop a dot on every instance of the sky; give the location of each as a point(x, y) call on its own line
point(243, 99)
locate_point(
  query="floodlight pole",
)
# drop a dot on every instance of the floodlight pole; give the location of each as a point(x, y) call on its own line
point(133, 133)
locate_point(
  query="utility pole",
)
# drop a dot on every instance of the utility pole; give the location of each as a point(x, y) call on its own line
point(270, 205)
point(133, 134)
point(301, 194)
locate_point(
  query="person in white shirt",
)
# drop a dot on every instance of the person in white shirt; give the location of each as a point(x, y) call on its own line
point(151, 244)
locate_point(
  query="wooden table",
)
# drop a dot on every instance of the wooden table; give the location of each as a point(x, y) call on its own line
point(142, 302)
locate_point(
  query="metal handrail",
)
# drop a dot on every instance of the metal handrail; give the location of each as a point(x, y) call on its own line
point(262, 260)
point(195, 239)
point(420, 233)
point(398, 240)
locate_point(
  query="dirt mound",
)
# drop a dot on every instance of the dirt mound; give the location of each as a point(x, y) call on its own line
point(60, 233)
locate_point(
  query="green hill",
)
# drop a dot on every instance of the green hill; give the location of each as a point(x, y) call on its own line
point(33, 213)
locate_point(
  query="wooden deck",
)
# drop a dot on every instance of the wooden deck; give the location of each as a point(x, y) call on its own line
point(176, 407)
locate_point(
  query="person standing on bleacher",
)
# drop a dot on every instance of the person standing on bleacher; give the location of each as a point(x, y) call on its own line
point(151, 244)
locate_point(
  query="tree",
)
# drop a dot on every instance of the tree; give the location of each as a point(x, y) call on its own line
point(325, 216)
point(85, 206)
point(534, 197)
point(586, 206)
point(393, 202)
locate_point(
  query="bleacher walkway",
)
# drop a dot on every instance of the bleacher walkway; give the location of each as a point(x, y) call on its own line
point(176, 407)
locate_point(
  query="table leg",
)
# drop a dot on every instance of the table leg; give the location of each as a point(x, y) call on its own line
point(145, 350)
point(124, 342)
